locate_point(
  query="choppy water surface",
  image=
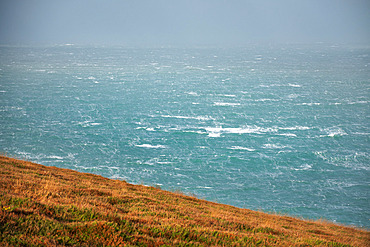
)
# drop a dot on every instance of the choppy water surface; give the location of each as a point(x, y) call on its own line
point(282, 129)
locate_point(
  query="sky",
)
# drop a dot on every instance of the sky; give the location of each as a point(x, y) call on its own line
point(184, 22)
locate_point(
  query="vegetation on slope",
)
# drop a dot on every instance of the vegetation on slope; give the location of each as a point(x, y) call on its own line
point(48, 206)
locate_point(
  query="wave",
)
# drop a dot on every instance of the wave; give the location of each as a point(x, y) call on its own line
point(288, 134)
point(201, 118)
point(358, 102)
point(274, 146)
point(88, 124)
point(310, 104)
point(295, 128)
point(150, 146)
point(242, 148)
point(227, 95)
point(226, 104)
point(217, 131)
point(333, 131)
point(293, 85)
point(192, 93)
point(263, 100)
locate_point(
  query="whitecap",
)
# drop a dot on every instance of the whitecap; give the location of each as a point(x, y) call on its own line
point(150, 146)
point(294, 85)
point(263, 100)
point(214, 134)
point(204, 187)
point(310, 104)
point(242, 148)
point(88, 124)
point(217, 131)
point(358, 102)
point(194, 68)
point(54, 157)
point(226, 104)
point(164, 162)
point(193, 93)
point(118, 177)
point(288, 134)
point(201, 118)
point(228, 95)
point(295, 128)
point(273, 146)
point(303, 167)
point(334, 131)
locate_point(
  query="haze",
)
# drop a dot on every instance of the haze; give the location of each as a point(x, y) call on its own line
point(183, 23)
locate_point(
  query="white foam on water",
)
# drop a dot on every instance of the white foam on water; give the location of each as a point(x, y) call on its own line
point(150, 146)
point(288, 134)
point(361, 133)
point(217, 131)
point(293, 85)
point(242, 148)
point(226, 104)
point(54, 157)
point(274, 146)
point(263, 85)
point(358, 102)
point(310, 104)
point(118, 177)
point(228, 95)
point(194, 68)
point(295, 128)
point(201, 118)
point(214, 134)
point(333, 131)
point(263, 100)
point(88, 124)
point(303, 167)
point(193, 93)
point(204, 187)
point(293, 96)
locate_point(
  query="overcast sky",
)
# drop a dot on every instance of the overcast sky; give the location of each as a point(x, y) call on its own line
point(184, 22)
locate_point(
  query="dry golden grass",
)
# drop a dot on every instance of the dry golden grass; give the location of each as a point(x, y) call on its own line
point(49, 206)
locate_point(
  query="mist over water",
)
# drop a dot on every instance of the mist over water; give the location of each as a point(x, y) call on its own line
point(283, 129)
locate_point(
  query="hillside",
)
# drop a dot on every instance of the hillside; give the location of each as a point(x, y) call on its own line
point(49, 206)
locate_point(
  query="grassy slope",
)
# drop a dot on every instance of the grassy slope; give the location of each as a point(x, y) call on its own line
point(49, 206)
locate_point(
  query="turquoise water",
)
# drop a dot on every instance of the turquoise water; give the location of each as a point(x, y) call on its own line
point(282, 129)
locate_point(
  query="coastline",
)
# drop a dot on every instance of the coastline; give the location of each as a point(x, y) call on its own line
point(42, 205)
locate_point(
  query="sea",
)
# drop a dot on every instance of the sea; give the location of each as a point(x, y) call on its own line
point(278, 128)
